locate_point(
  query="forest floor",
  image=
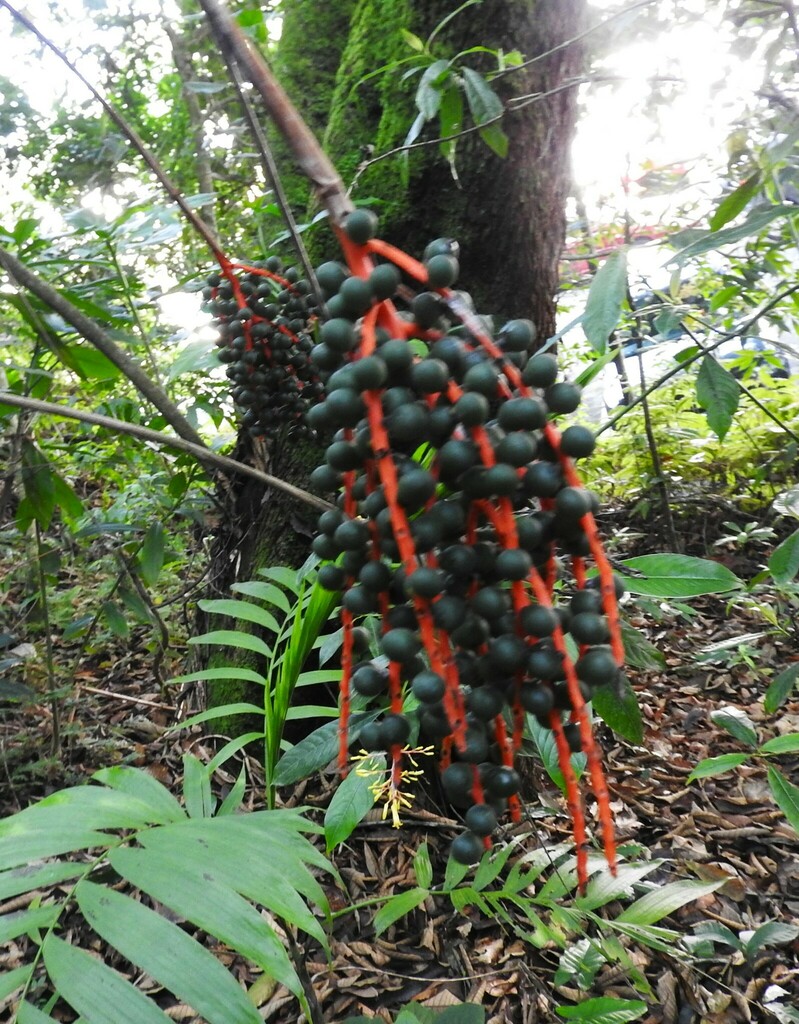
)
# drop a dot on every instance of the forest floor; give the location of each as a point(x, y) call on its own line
point(726, 828)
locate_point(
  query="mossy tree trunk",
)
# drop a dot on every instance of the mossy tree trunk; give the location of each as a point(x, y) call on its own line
point(507, 214)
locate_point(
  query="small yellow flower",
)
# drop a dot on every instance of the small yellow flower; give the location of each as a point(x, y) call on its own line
point(388, 782)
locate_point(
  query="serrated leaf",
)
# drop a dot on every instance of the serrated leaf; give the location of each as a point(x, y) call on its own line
point(398, 906)
point(649, 909)
point(672, 575)
point(718, 393)
point(245, 610)
point(780, 745)
point(605, 299)
point(604, 1010)
point(780, 688)
point(353, 799)
point(784, 561)
point(732, 204)
point(618, 708)
point(233, 638)
point(737, 723)
point(98, 994)
point(786, 796)
point(716, 766)
point(151, 556)
point(484, 103)
point(167, 954)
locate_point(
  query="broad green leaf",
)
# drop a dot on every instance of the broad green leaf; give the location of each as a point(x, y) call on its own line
point(197, 794)
point(246, 675)
point(151, 556)
point(37, 482)
point(780, 745)
point(29, 1014)
point(717, 933)
point(581, 961)
point(98, 994)
point(672, 575)
point(428, 92)
point(784, 561)
point(604, 887)
point(716, 766)
point(723, 296)
point(13, 980)
point(22, 921)
point(659, 903)
point(496, 139)
point(639, 652)
point(220, 711)
point(353, 798)
point(618, 708)
point(422, 867)
point(604, 1010)
point(115, 618)
point(245, 610)
point(209, 902)
point(450, 118)
point(316, 750)
point(167, 954)
point(718, 392)
point(66, 500)
point(737, 723)
point(266, 592)
point(545, 744)
point(605, 299)
point(233, 638)
point(232, 747)
point(772, 933)
point(786, 795)
point(233, 800)
point(46, 838)
point(732, 204)
point(781, 688)
point(141, 785)
point(413, 41)
point(398, 906)
point(754, 223)
point(36, 876)
point(288, 578)
point(484, 103)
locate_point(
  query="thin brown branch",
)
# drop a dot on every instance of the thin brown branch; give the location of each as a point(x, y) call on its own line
point(202, 454)
point(309, 155)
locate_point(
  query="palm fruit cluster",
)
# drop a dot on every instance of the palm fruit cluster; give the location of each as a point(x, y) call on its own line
point(264, 316)
point(458, 511)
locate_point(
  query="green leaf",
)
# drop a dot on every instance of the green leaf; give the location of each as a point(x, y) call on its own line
point(731, 205)
point(200, 802)
point(115, 618)
point(604, 1010)
point(781, 745)
point(220, 711)
point(167, 954)
point(398, 906)
point(208, 902)
point(13, 980)
point(66, 500)
point(548, 751)
point(671, 575)
point(784, 561)
point(422, 867)
point(618, 708)
point(772, 933)
point(786, 795)
point(659, 903)
point(242, 610)
point(639, 652)
point(21, 922)
point(754, 223)
point(605, 299)
point(484, 103)
point(737, 723)
point(496, 139)
point(37, 482)
point(718, 392)
point(428, 93)
point(353, 799)
point(723, 296)
point(29, 1014)
point(151, 556)
point(316, 750)
point(581, 961)
point(450, 118)
point(604, 887)
point(35, 876)
point(233, 638)
point(246, 675)
point(98, 994)
point(780, 688)
point(266, 592)
point(716, 766)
